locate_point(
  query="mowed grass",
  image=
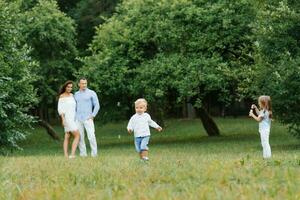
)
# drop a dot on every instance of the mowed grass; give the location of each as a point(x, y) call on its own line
point(184, 164)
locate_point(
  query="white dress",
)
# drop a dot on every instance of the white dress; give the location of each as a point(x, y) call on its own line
point(67, 106)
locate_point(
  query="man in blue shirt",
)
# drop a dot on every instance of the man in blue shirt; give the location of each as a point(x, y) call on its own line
point(87, 107)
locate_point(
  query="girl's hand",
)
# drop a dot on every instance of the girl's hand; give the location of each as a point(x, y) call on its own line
point(251, 113)
point(159, 129)
point(253, 106)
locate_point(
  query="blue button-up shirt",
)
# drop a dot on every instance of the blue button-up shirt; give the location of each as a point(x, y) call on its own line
point(87, 104)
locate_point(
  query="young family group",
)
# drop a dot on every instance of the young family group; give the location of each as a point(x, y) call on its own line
point(78, 111)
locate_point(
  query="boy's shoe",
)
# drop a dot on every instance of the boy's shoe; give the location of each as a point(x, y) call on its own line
point(145, 158)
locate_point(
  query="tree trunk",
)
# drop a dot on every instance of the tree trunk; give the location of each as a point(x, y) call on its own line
point(208, 123)
point(184, 109)
point(42, 122)
point(50, 130)
point(191, 113)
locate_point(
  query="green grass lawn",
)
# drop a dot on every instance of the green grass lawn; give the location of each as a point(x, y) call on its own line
point(184, 164)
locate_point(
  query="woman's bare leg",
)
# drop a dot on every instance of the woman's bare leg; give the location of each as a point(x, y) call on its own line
point(75, 142)
point(66, 144)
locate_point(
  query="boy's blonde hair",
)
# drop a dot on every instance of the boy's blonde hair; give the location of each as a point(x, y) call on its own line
point(141, 101)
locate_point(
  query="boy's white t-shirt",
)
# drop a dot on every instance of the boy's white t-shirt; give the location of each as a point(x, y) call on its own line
point(140, 123)
point(265, 123)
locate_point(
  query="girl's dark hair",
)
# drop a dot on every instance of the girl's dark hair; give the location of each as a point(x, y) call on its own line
point(63, 87)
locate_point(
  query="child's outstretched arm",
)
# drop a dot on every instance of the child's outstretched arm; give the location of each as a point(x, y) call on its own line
point(153, 124)
point(257, 118)
point(253, 106)
point(130, 126)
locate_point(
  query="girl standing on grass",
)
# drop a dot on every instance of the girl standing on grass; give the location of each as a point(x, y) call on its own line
point(264, 116)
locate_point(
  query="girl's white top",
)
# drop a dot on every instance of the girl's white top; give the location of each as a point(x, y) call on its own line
point(265, 123)
point(67, 106)
point(140, 123)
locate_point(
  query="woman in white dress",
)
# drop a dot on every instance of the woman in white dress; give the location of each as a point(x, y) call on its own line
point(67, 110)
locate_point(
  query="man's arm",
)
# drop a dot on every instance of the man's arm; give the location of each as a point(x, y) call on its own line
point(96, 104)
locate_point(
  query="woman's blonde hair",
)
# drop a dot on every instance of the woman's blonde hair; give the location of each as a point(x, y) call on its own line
point(265, 101)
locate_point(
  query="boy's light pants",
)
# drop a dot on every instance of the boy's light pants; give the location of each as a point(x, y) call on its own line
point(88, 125)
point(264, 137)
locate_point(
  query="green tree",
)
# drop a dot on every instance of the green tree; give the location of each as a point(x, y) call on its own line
point(17, 94)
point(277, 71)
point(194, 49)
point(88, 14)
point(67, 5)
point(51, 34)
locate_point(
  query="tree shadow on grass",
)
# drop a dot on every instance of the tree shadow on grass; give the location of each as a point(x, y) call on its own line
point(277, 144)
point(285, 147)
point(174, 140)
point(171, 141)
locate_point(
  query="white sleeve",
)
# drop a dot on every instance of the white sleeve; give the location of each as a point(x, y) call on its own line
point(130, 124)
point(60, 107)
point(152, 123)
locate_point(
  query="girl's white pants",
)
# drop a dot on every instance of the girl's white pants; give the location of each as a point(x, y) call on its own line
point(264, 137)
